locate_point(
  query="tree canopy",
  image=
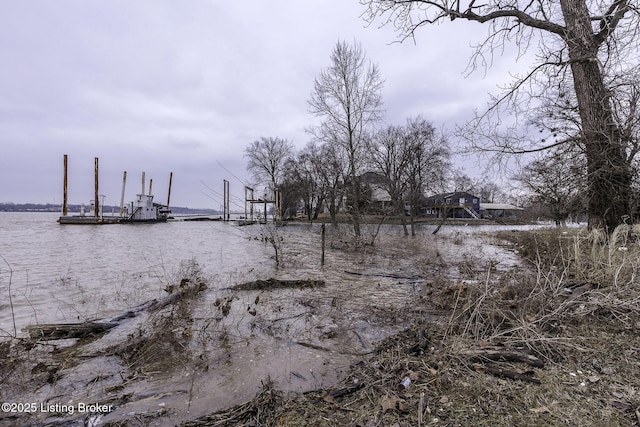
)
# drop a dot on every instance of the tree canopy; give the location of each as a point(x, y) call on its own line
point(584, 47)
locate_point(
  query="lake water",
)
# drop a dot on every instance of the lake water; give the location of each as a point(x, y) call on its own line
point(66, 273)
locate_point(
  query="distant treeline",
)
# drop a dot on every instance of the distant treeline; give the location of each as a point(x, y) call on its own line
point(37, 207)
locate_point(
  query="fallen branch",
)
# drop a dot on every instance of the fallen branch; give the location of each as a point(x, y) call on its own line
point(502, 354)
point(391, 276)
point(501, 372)
point(132, 312)
point(60, 331)
point(345, 391)
point(269, 284)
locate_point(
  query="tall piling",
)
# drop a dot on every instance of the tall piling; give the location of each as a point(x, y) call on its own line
point(96, 203)
point(65, 182)
point(225, 202)
point(124, 184)
point(169, 193)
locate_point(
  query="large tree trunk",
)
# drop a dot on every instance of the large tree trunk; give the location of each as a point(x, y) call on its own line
point(609, 176)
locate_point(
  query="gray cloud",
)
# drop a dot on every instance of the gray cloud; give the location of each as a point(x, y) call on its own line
point(161, 86)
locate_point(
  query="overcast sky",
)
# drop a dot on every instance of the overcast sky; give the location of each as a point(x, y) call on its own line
point(184, 86)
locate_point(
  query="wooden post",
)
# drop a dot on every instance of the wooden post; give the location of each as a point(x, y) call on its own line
point(225, 209)
point(323, 240)
point(169, 193)
point(124, 185)
point(251, 204)
point(96, 203)
point(64, 196)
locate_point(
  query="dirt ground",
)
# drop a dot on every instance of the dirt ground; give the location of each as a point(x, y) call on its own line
point(553, 342)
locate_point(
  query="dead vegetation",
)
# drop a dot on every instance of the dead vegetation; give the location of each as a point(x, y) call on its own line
point(264, 410)
point(40, 366)
point(555, 343)
point(271, 284)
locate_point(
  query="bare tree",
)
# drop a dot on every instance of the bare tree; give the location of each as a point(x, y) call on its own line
point(302, 180)
point(556, 180)
point(267, 158)
point(346, 96)
point(427, 168)
point(487, 190)
point(330, 168)
point(389, 158)
point(412, 159)
point(461, 182)
point(580, 38)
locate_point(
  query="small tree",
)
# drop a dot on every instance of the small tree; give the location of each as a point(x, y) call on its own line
point(389, 158)
point(332, 170)
point(412, 159)
point(302, 183)
point(557, 184)
point(428, 164)
point(346, 97)
point(267, 158)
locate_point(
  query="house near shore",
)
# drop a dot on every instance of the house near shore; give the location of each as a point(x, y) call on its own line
point(374, 186)
point(451, 205)
point(499, 211)
point(458, 204)
point(464, 205)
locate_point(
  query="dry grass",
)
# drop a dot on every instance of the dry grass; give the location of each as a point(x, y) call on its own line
point(555, 343)
point(161, 344)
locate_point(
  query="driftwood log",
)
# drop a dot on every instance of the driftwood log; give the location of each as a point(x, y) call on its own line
point(269, 284)
point(501, 372)
point(60, 331)
point(486, 360)
point(391, 276)
point(502, 354)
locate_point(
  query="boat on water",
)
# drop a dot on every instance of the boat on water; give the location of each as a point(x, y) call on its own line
point(142, 210)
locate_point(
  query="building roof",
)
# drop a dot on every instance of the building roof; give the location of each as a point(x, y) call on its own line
point(380, 194)
point(499, 206)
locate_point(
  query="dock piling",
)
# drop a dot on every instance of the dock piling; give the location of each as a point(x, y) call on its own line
point(169, 193)
point(124, 183)
point(64, 196)
point(96, 203)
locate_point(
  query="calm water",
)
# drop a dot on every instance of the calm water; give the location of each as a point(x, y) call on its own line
point(67, 273)
point(73, 273)
point(64, 273)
